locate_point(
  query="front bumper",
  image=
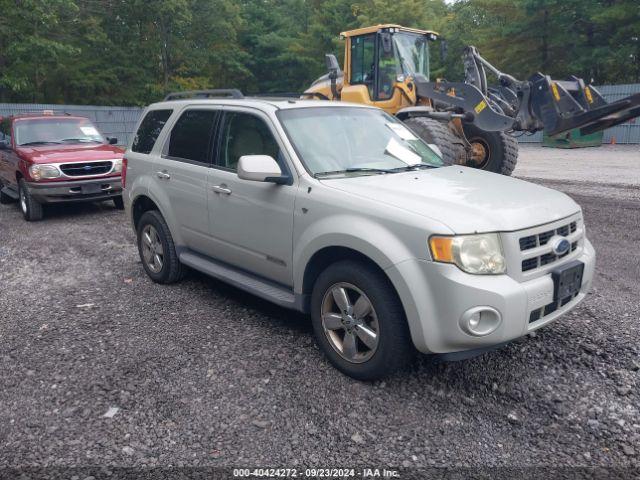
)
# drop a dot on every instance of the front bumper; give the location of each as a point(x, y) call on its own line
point(92, 190)
point(435, 297)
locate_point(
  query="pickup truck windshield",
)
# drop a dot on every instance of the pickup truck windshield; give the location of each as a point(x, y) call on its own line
point(46, 131)
point(354, 141)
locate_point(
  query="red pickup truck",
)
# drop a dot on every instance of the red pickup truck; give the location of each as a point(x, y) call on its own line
point(53, 158)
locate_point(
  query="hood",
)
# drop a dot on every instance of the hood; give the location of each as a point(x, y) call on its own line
point(466, 200)
point(70, 153)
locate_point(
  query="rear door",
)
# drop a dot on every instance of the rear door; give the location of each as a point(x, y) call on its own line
point(251, 226)
point(181, 171)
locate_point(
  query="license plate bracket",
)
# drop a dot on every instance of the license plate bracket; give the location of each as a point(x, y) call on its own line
point(567, 280)
point(90, 188)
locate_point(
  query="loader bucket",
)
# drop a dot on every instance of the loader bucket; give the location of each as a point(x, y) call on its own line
point(568, 105)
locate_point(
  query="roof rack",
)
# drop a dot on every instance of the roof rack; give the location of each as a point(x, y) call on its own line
point(219, 92)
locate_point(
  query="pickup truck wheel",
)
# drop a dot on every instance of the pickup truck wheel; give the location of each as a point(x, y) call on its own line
point(119, 203)
point(157, 250)
point(31, 209)
point(359, 321)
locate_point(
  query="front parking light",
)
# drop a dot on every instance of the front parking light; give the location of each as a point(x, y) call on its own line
point(476, 254)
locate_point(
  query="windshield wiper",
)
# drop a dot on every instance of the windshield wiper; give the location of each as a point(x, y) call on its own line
point(80, 140)
point(416, 166)
point(354, 169)
point(39, 142)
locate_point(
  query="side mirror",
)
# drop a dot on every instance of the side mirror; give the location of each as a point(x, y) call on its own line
point(112, 140)
point(260, 168)
point(443, 49)
point(331, 62)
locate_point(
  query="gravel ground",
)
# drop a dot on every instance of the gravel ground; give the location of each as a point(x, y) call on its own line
point(100, 366)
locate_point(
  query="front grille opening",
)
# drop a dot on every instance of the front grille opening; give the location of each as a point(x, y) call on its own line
point(85, 169)
point(573, 226)
point(564, 231)
point(547, 258)
point(545, 236)
point(539, 313)
point(529, 264)
point(574, 245)
point(529, 242)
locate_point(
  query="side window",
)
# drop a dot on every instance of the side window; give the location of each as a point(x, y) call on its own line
point(191, 135)
point(245, 134)
point(363, 61)
point(149, 130)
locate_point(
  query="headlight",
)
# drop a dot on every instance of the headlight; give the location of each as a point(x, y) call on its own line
point(117, 165)
point(478, 254)
point(38, 172)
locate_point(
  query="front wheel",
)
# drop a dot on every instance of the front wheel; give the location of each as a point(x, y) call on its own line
point(493, 151)
point(359, 322)
point(438, 133)
point(30, 207)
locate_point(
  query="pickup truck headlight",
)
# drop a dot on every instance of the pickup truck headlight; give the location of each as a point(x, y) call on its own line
point(477, 254)
point(38, 172)
point(117, 165)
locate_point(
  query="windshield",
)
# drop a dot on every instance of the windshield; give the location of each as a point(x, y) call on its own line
point(35, 131)
point(354, 141)
point(413, 50)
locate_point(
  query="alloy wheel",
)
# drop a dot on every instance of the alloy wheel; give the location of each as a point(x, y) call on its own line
point(350, 322)
point(152, 250)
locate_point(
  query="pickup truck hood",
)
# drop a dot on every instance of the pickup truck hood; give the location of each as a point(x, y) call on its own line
point(69, 153)
point(466, 200)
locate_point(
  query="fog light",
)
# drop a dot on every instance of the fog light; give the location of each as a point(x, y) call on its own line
point(480, 321)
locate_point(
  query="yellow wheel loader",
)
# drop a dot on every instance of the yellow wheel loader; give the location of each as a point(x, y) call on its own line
point(470, 122)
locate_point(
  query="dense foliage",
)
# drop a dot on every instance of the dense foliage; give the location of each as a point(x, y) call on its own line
point(133, 51)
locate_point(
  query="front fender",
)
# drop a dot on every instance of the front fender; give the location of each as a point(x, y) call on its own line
point(380, 244)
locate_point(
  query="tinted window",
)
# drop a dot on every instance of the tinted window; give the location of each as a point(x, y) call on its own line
point(149, 130)
point(362, 61)
point(245, 134)
point(191, 135)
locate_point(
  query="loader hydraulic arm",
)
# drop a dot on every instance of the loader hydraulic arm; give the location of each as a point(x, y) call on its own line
point(538, 103)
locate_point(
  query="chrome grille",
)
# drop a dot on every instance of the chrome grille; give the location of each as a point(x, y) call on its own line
point(529, 252)
point(84, 169)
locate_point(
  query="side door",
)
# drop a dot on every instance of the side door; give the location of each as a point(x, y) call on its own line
point(251, 225)
point(181, 171)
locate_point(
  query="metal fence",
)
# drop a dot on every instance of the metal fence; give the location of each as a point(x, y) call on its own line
point(120, 122)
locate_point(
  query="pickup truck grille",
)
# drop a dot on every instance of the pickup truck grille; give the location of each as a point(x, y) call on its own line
point(85, 169)
point(530, 252)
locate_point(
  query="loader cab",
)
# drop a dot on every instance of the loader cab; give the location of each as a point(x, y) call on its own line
point(381, 62)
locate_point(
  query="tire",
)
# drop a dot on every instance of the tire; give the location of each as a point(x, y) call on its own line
point(119, 203)
point(438, 133)
point(501, 150)
point(169, 269)
point(393, 348)
point(31, 209)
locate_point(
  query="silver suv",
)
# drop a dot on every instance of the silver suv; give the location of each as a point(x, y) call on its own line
point(340, 211)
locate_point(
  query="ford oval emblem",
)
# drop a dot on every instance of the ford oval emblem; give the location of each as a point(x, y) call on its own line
point(560, 245)
point(87, 167)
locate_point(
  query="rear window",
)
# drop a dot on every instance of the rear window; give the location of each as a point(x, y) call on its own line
point(149, 130)
point(191, 135)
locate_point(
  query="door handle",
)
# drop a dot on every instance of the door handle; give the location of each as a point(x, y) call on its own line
point(221, 189)
point(163, 175)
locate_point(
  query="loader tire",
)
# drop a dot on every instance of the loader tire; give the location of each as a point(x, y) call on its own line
point(493, 151)
point(437, 133)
